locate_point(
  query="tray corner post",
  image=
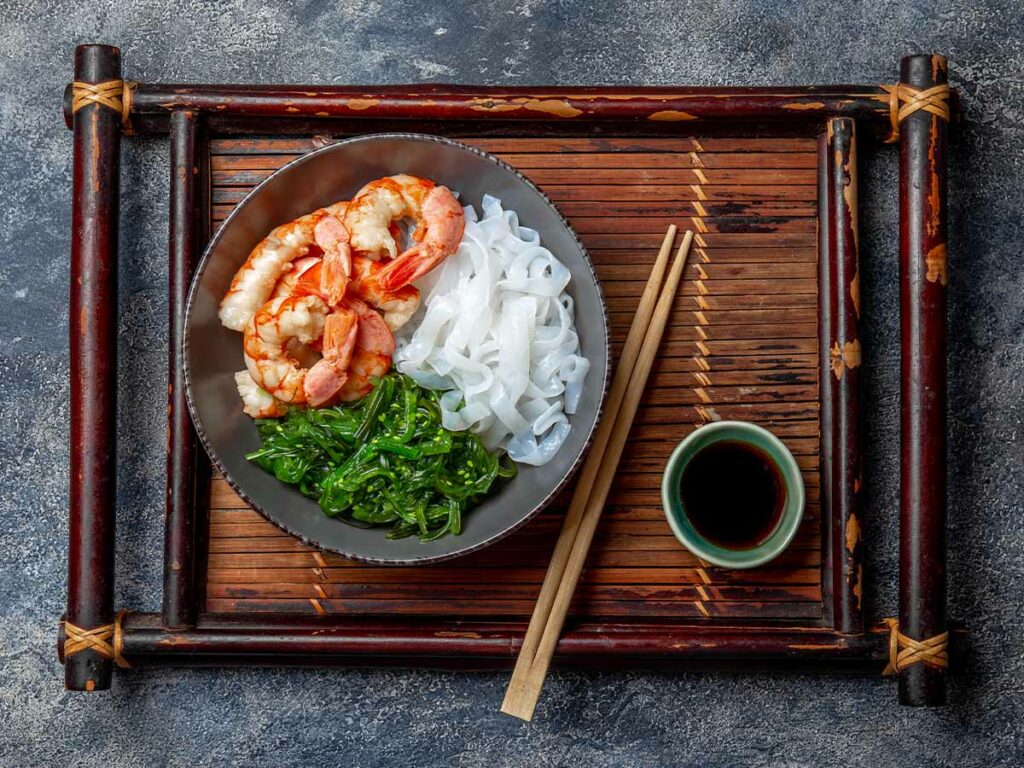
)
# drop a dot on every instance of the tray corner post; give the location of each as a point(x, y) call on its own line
point(844, 355)
point(187, 469)
point(88, 627)
point(824, 208)
point(921, 116)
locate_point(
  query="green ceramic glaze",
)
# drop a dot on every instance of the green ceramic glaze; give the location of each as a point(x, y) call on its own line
point(792, 513)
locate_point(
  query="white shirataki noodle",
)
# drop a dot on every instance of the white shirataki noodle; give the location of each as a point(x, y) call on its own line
point(496, 332)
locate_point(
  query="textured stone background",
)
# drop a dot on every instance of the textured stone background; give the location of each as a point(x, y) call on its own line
point(420, 719)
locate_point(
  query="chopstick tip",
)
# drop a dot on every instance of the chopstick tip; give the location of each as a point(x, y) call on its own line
point(520, 707)
point(687, 240)
point(670, 236)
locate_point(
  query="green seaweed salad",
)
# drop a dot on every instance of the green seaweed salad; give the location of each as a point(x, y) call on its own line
point(383, 460)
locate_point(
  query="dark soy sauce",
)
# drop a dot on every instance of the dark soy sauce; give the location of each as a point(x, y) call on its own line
point(733, 494)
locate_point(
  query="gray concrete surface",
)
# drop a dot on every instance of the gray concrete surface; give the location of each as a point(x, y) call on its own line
point(375, 718)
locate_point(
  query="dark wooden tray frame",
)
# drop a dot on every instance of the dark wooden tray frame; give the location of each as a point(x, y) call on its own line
point(181, 634)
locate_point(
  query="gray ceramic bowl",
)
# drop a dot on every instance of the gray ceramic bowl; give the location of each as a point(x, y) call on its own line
point(213, 353)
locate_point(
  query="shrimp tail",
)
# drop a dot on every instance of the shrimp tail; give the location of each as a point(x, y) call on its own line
point(328, 376)
point(336, 270)
point(411, 265)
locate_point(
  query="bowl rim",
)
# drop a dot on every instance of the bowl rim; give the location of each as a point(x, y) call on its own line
point(186, 341)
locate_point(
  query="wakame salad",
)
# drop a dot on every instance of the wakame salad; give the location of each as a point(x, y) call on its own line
point(384, 460)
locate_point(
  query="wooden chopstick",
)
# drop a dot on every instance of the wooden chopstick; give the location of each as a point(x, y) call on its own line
point(594, 483)
point(563, 547)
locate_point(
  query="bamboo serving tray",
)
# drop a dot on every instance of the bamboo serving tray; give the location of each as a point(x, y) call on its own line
point(743, 344)
point(765, 329)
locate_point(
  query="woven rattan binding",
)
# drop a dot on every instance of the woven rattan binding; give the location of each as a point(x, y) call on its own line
point(906, 651)
point(107, 640)
point(905, 100)
point(113, 94)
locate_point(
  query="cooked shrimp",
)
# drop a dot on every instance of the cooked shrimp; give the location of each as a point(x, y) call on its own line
point(329, 375)
point(333, 237)
point(255, 280)
point(377, 206)
point(397, 305)
point(299, 272)
point(364, 366)
point(267, 262)
point(381, 203)
point(374, 333)
point(256, 401)
point(302, 279)
point(275, 354)
point(268, 339)
point(372, 354)
point(436, 238)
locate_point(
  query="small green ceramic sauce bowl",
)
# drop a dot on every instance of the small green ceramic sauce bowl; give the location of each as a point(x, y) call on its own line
point(766, 445)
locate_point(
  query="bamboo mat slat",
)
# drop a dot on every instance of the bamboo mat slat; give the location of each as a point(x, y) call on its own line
point(742, 344)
